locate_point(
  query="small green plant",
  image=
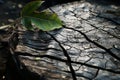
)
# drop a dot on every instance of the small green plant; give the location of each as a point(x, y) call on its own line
point(45, 21)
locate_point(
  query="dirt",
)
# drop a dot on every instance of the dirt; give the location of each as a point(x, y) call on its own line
point(9, 11)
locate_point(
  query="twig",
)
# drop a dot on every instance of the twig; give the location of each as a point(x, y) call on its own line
point(5, 26)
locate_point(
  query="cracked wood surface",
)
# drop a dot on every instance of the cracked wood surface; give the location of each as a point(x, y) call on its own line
point(90, 36)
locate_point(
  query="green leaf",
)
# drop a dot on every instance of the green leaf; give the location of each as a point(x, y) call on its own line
point(27, 23)
point(45, 21)
point(31, 7)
